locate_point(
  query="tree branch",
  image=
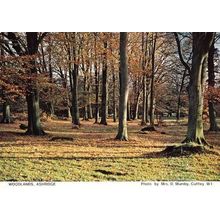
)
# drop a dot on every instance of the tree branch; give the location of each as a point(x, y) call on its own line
point(41, 37)
point(15, 42)
point(180, 53)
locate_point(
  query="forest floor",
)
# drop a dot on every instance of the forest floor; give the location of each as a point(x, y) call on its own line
point(94, 155)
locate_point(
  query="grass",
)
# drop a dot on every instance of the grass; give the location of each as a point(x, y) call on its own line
point(94, 155)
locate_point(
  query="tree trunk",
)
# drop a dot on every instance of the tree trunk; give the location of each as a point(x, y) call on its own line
point(75, 75)
point(201, 46)
point(114, 94)
point(195, 141)
point(128, 111)
point(212, 117)
point(211, 84)
point(123, 77)
point(6, 107)
point(143, 119)
point(147, 107)
point(90, 116)
point(136, 107)
point(34, 124)
point(67, 96)
point(152, 87)
point(51, 104)
point(75, 106)
point(195, 122)
point(178, 108)
point(69, 115)
point(144, 80)
point(96, 83)
point(6, 113)
point(179, 96)
point(96, 93)
point(104, 106)
point(85, 109)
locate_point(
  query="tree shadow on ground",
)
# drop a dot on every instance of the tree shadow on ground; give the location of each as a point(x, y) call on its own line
point(3, 133)
point(151, 155)
point(17, 133)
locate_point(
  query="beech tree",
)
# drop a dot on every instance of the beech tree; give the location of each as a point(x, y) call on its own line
point(201, 46)
point(152, 87)
point(104, 105)
point(97, 75)
point(144, 48)
point(123, 99)
point(195, 140)
point(6, 106)
point(28, 50)
point(34, 124)
point(75, 88)
point(211, 84)
point(14, 50)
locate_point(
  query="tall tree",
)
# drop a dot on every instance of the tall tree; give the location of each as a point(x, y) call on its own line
point(123, 78)
point(34, 124)
point(201, 46)
point(96, 80)
point(195, 140)
point(14, 50)
point(136, 95)
point(152, 86)
point(114, 94)
point(129, 110)
point(75, 76)
point(104, 106)
point(144, 79)
point(90, 114)
point(114, 86)
point(51, 104)
point(211, 84)
point(6, 106)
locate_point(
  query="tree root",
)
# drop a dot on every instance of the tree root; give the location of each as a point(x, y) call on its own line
point(185, 149)
point(188, 146)
point(121, 138)
point(75, 126)
point(39, 133)
point(103, 123)
point(199, 141)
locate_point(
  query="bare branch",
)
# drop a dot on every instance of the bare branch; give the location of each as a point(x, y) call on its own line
point(180, 53)
point(41, 37)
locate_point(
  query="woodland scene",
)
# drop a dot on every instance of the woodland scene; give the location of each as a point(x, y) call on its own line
point(109, 106)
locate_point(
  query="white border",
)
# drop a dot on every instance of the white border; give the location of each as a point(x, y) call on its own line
point(109, 15)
